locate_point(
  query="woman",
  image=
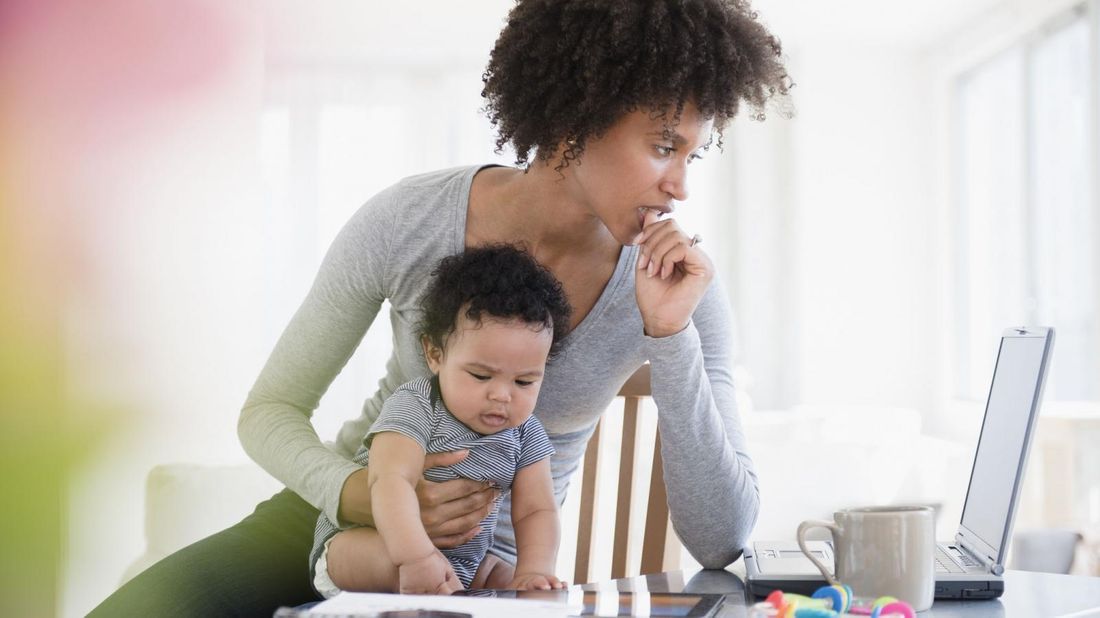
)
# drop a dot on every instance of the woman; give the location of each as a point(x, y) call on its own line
point(606, 104)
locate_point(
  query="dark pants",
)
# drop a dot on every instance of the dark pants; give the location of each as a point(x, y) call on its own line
point(249, 569)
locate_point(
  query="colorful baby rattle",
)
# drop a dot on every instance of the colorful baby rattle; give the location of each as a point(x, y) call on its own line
point(829, 602)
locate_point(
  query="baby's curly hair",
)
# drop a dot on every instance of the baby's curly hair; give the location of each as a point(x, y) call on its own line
point(564, 71)
point(501, 281)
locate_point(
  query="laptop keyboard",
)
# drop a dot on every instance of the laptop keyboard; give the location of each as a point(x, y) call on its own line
point(944, 563)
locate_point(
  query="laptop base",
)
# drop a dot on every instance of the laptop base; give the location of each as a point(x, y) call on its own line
point(763, 586)
point(990, 589)
point(806, 582)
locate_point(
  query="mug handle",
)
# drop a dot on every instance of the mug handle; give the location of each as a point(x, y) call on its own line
point(814, 523)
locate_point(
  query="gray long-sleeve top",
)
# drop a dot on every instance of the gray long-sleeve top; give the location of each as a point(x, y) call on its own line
point(387, 252)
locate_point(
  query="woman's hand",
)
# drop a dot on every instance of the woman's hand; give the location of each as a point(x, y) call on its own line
point(450, 511)
point(535, 581)
point(431, 574)
point(671, 276)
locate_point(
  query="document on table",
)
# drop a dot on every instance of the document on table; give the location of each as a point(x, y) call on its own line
point(369, 605)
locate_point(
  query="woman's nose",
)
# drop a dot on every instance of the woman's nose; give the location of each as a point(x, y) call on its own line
point(675, 182)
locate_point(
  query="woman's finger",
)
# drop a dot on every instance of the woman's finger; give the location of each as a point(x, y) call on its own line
point(649, 217)
point(673, 257)
point(465, 515)
point(651, 223)
point(449, 458)
point(476, 504)
point(653, 233)
point(459, 515)
point(452, 523)
point(666, 248)
point(431, 495)
point(450, 541)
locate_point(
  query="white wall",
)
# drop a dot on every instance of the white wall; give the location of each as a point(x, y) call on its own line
point(835, 220)
point(863, 226)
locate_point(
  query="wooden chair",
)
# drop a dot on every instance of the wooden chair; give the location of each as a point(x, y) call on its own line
point(657, 536)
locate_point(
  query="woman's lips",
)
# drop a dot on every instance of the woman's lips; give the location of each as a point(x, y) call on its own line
point(660, 210)
point(643, 211)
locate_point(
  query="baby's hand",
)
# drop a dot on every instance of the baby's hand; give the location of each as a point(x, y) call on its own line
point(536, 581)
point(431, 574)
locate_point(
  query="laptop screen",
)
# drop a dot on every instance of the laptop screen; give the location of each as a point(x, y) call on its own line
point(1001, 445)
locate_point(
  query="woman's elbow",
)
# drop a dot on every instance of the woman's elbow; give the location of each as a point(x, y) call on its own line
point(246, 420)
point(721, 555)
point(719, 560)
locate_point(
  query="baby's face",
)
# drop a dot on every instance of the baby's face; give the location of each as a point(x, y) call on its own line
point(491, 372)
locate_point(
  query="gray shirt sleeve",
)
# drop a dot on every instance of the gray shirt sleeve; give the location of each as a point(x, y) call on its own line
point(274, 424)
point(713, 494)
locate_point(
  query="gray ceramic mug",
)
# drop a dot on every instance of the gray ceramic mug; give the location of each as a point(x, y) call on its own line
point(882, 551)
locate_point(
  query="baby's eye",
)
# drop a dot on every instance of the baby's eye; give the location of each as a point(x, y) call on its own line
point(478, 377)
point(525, 382)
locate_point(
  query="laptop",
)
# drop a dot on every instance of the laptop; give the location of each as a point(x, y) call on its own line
point(971, 566)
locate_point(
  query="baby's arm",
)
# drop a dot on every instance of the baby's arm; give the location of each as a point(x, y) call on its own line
point(396, 463)
point(535, 519)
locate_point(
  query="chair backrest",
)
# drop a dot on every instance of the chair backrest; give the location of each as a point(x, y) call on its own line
point(656, 537)
point(1046, 550)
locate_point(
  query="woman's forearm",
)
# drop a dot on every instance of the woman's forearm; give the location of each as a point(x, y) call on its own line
point(285, 444)
point(274, 424)
point(713, 493)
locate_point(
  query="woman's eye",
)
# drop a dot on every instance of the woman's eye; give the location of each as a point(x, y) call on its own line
point(695, 157)
point(665, 151)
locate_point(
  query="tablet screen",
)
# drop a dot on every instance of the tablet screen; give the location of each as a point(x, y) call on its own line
point(613, 603)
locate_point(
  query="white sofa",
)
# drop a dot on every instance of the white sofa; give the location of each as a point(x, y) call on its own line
point(814, 460)
point(186, 502)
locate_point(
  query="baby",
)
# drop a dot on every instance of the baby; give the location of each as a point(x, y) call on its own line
point(492, 318)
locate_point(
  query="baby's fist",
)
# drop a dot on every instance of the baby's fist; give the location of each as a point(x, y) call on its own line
point(536, 581)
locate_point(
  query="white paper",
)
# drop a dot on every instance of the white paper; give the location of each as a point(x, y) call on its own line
point(369, 604)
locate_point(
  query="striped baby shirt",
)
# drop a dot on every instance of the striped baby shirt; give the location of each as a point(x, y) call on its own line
point(416, 410)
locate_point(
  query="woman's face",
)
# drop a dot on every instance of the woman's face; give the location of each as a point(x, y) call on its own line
point(634, 167)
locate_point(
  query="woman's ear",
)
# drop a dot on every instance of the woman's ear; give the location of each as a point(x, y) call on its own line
point(433, 354)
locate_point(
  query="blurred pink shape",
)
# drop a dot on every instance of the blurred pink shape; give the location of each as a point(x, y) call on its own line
point(79, 69)
point(89, 89)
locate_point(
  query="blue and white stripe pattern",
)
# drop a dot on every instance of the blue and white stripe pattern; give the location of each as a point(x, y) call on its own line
point(415, 410)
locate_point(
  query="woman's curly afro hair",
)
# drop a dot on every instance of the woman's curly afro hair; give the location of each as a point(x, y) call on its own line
point(564, 71)
point(499, 281)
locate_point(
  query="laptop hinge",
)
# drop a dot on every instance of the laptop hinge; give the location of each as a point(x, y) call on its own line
point(988, 562)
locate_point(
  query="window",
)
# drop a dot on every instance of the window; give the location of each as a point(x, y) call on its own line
point(331, 136)
point(1025, 213)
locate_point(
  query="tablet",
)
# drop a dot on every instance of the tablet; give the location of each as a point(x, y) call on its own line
point(617, 603)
